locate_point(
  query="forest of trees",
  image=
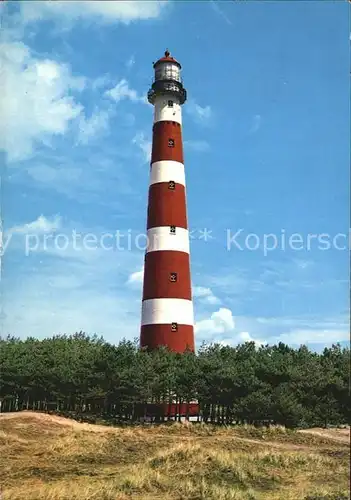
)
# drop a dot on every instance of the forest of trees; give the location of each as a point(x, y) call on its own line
point(89, 376)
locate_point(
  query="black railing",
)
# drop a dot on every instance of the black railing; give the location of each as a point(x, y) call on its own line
point(160, 87)
point(168, 76)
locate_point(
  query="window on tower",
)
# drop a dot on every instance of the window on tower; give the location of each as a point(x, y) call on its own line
point(171, 143)
point(174, 327)
point(170, 104)
point(171, 185)
point(172, 229)
point(173, 277)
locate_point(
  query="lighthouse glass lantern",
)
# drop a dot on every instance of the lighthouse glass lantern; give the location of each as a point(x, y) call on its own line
point(167, 79)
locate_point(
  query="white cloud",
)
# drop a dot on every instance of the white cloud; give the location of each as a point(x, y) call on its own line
point(303, 264)
point(86, 171)
point(205, 295)
point(200, 291)
point(122, 91)
point(232, 283)
point(246, 337)
point(66, 297)
point(90, 128)
point(100, 82)
point(41, 225)
point(97, 11)
point(225, 343)
point(63, 178)
point(222, 328)
point(219, 322)
point(314, 336)
point(304, 329)
point(36, 103)
point(136, 278)
point(63, 291)
point(212, 299)
point(256, 124)
point(201, 114)
point(145, 145)
point(240, 338)
point(305, 322)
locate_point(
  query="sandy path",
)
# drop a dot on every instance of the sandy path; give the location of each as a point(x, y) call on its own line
point(54, 419)
point(340, 435)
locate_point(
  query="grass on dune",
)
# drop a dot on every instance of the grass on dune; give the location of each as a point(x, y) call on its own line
point(43, 460)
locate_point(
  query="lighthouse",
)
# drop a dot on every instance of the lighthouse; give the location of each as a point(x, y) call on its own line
point(167, 317)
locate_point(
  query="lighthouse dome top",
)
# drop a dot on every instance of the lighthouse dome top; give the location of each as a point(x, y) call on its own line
point(167, 58)
point(167, 79)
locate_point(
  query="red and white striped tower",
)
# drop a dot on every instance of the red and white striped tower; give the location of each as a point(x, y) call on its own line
point(167, 310)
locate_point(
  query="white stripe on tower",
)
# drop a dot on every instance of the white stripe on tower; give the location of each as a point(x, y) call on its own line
point(160, 238)
point(167, 171)
point(167, 309)
point(159, 311)
point(164, 112)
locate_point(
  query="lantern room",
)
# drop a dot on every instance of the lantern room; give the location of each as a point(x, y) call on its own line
point(167, 79)
point(167, 68)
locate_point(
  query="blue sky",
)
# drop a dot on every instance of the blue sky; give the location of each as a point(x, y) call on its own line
point(266, 138)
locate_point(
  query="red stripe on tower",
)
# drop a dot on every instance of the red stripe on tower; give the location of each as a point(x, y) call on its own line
point(167, 310)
